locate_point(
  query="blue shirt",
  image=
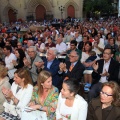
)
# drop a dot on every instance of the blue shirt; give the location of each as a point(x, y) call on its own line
point(49, 63)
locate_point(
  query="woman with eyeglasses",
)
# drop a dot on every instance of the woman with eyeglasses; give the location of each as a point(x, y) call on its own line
point(107, 106)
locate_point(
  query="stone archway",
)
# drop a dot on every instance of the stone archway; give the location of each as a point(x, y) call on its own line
point(11, 16)
point(34, 8)
point(8, 14)
point(71, 11)
point(71, 6)
point(40, 13)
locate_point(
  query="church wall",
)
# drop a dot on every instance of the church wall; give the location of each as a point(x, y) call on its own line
point(52, 7)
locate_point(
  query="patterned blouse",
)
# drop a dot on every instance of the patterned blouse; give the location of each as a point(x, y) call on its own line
point(50, 102)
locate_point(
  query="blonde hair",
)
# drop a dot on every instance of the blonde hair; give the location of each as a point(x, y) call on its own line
point(42, 77)
point(3, 71)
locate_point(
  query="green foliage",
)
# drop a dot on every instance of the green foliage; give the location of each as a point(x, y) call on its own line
point(102, 6)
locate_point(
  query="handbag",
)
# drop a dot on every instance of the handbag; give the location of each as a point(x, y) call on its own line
point(11, 109)
point(33, 115)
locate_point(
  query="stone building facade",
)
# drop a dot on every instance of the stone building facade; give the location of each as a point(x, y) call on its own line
point(12, 10)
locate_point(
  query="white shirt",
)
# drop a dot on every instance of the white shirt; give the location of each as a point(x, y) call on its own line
point(8, 61)
point(102, 41)
point(66, 112)
point(13, 38)
point(42, 46)
point(101, 45)
point(23, 95)
point(105, 68)
point(79, 108)
point(73, 33)
point(61, 47)
point(84, 57)
point(68, 38)
point(79, 38)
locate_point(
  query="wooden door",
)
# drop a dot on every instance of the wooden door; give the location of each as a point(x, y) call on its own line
point(40, 13)
point(11, 16)
point(71, 11)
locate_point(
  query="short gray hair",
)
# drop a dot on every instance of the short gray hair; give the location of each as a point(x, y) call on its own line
point(54, 50)
point(31, 42)
point(34, 48)
point(78, 54)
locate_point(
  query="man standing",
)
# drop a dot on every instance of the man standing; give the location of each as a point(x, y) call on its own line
point(105, 70)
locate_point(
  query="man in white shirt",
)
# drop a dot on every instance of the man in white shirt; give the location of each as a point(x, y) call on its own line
point(73, 32)
point(98, 46)
point(9, 58)
point(61, 46)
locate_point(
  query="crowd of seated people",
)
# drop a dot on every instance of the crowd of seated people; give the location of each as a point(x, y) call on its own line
point(59, 59)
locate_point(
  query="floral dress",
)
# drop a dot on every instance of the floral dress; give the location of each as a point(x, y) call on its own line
point(50, 102)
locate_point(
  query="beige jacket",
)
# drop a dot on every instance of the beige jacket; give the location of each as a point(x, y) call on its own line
point(4, 82)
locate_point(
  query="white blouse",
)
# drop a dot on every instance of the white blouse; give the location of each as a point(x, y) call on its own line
point(84, 57)
point(66, 112)
point(79, 108)
point(23, 95)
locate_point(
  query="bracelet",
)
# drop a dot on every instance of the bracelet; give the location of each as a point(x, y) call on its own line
point(41, 108)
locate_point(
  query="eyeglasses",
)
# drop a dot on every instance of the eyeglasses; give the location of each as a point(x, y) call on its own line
point(105, 94)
